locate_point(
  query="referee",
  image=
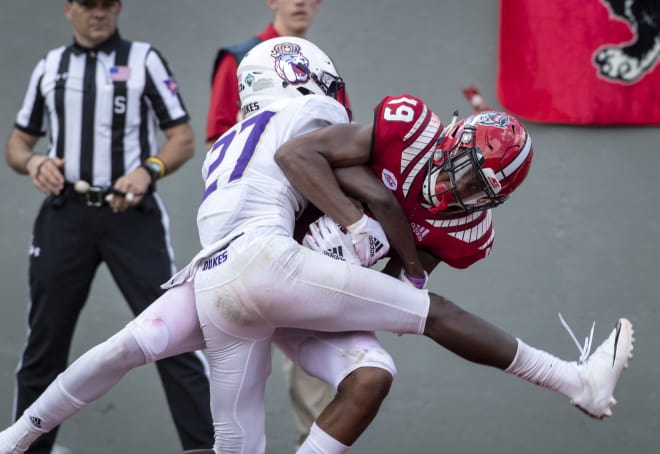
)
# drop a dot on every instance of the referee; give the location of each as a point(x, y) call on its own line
point(101, 99)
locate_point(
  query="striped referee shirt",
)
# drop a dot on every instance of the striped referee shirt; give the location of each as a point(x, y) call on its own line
point(102, 107)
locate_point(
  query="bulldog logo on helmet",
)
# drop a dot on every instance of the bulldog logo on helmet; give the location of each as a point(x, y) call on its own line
point(290, 64)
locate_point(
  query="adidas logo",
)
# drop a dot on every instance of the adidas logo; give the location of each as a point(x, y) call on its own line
point(374, 245)
point(36, 422)
point(336, 253)
point(419, 231)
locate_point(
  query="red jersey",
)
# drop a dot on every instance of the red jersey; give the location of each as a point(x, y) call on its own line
point(405, 134)
point(224, 101)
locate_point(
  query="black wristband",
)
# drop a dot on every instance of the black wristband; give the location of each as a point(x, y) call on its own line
point(153, 171)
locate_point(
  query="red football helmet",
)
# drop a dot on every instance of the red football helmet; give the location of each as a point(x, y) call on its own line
point(478, 162)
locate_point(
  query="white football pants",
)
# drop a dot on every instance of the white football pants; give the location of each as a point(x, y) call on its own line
point(260, 283)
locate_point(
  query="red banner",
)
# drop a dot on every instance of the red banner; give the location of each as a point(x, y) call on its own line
point(590, 62)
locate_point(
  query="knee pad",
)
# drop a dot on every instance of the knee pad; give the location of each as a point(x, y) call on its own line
point(374, 357)
point(332, 356)
point(151, 334)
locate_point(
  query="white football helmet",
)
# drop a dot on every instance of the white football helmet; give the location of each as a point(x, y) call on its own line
point(286, 67)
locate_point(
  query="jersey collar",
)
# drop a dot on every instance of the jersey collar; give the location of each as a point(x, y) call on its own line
point(106, 47)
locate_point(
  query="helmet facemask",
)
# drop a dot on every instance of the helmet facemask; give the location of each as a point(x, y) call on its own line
point(456, 177)
point(330, 84)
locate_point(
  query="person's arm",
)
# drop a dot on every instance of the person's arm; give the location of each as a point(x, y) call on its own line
point(308, 161)
point(361, 183)
point(178, 148)
point(429, 263)
point(45, 172)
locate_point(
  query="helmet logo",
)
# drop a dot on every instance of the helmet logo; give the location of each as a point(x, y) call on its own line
point(389, 180)
point(289, 63)
point(491, 180)
point(497, 119)
point(247, 82)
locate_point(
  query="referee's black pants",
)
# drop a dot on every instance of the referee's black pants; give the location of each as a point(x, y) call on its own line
point(70, 240)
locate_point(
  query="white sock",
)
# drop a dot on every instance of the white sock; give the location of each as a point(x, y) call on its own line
point(53, 406)
point(319, 442)
point(18, 437)
point(544, 369)
point(89, 377)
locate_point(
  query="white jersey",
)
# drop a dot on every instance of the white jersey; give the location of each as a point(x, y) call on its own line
point(244, 187)
point(253, 279)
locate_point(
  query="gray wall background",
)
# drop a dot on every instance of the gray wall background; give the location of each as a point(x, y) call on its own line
point(580, 237)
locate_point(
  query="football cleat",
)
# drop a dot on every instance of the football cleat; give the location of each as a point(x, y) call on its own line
point(601, 370)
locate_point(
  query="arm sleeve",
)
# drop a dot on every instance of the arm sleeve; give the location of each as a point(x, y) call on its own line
point(224, 100)
point(162, 91)
point(32, 118)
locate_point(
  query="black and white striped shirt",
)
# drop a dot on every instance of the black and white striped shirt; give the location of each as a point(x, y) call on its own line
point(102, 107)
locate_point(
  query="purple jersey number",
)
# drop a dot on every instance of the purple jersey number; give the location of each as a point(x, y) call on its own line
point(257, 124)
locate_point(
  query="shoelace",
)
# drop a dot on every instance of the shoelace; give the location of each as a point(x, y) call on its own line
point(585, 349)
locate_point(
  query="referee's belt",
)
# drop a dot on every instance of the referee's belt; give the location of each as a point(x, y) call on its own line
point(94, 196)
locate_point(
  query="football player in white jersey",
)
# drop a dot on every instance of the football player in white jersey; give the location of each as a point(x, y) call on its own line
point(355, 363)
point(243, 291)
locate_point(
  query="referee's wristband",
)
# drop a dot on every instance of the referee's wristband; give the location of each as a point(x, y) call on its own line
point(155, 167)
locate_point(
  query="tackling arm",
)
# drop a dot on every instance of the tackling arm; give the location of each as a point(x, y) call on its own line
point(361, 183)
point(428, 260)
point(307, 162)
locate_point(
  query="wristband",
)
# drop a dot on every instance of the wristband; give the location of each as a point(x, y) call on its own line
point(358, 224)
point(417, 282)
point(155, 166)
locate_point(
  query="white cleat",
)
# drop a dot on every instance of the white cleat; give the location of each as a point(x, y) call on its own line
point(600, 372)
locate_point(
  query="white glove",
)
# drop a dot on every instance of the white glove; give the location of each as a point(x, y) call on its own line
point(325, 236)
point(369, 240)
point(417, 282)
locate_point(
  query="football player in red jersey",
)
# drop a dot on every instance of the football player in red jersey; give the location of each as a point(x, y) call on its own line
point(446, 179)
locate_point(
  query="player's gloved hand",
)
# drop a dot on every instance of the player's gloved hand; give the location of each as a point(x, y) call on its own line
point(369, 240)
point(417, 282)
point(325, 236)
